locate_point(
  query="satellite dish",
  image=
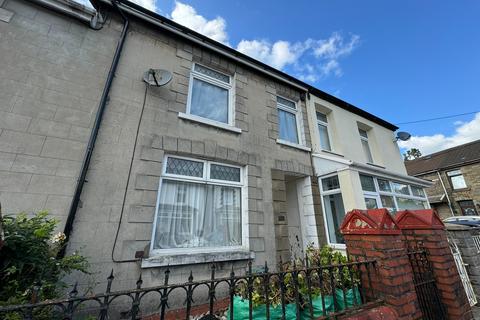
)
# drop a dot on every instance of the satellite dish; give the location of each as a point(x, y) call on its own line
point(403, 136)
point(157, 77)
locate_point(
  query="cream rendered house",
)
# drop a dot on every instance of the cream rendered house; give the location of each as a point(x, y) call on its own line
point(358, 164)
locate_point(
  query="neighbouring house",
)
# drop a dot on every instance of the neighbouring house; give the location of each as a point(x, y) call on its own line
point(358, 165)
point(214, 166)
point(455, 174)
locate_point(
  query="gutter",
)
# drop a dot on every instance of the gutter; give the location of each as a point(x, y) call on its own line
point(96, 126)
point(422, 182)
point(71, 9)
point(446, 194)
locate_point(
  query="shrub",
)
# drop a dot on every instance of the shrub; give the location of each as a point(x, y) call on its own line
point(317, 258)
point(29, 257)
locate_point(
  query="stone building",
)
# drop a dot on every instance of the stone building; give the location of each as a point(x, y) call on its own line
point(455, 174)
point(212, 166)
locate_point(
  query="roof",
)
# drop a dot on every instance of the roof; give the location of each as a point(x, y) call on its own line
point(187, 33)
point(454, 157)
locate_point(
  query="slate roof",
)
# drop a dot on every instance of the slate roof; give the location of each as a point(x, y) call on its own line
point(449, 158)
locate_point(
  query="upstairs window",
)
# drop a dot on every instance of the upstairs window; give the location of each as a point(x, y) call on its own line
point(287, 120)
point(210, 95)
point(365, 145)
point(456, 179)
point(322, 123)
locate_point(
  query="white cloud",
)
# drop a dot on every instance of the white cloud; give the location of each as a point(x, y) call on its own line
point(187, 15)
point(278, 54)
point(310, 60)
point(335, 46)
point(464, 132)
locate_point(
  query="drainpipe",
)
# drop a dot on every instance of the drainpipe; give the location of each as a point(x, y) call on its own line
point(96, 126)
point(446, 194)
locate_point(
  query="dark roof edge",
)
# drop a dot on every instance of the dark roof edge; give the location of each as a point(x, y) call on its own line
point(190, 33)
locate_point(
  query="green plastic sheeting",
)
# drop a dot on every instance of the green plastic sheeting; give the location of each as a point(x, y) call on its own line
point(351, 297)
point(240, 311)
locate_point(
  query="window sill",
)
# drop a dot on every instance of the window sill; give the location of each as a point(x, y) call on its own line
point(332, 153)
point(376, 165)
point(461, 190)
point(195, 258)
point(212, 123)
point(294, 145)
point(338, 246)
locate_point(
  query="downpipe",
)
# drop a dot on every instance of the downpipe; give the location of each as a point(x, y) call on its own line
point(96, 126)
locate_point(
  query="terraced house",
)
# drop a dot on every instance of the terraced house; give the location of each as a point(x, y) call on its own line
point(156, 146)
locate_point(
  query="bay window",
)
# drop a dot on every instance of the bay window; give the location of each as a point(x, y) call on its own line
point(210, 95)
point(199, 206)
point(333, 209)
point(392, 195)
point(288, 121)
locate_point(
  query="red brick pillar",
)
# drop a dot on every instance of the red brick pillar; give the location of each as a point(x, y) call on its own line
point(373, 234)
point(423, 228)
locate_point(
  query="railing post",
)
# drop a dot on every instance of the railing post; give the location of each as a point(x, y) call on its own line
point(164, 298)
point(374, 235)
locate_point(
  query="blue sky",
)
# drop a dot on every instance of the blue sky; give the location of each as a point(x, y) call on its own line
point(400, 60)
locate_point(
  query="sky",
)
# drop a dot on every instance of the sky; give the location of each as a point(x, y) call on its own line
point(400, 60)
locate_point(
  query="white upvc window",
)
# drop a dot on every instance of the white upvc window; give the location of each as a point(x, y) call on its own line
point(393, 195)
point(333, 210)
point(201, 207)
point(322, 123)
point(210, 96)
point(457, 181)
point(365, 145)
point(288, 121)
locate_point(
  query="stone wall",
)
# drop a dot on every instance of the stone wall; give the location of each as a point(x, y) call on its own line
point(119, 198)
point(462, 236)
point(52, 74)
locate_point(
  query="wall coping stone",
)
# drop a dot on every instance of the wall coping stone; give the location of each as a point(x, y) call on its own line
point(419, 220)
point(375, 221)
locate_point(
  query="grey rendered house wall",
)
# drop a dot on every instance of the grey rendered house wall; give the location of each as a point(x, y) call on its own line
point(160, 132)
point(52, 71)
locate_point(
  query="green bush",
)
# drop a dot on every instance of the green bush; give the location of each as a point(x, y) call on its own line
point(29, 257)
point(317, 257)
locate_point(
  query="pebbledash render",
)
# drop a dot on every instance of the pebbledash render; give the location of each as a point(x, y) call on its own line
point(215, 166)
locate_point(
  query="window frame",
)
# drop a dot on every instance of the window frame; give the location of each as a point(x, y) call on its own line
point(243, 185)
point(450, 174)
point(472, 206)
point(378, 193)
point(229, 87)
point(325, 124)
point(323, 193)
point(296, 113)
point(366, 139)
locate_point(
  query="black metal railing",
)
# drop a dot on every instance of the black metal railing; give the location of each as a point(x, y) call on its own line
point(425, 285)
point(293, 291)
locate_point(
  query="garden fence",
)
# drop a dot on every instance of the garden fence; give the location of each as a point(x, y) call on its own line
point(303, 290)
